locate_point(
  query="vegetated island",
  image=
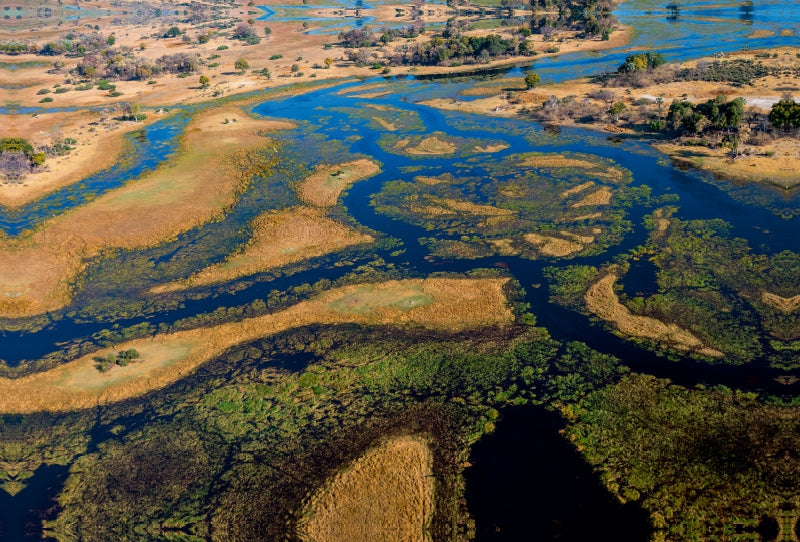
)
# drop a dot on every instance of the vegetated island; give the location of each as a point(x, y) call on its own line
point(121, 69)
point(734, 115)
point(436, 303)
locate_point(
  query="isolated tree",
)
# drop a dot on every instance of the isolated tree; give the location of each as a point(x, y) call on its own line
point(204, 81)
point(616, 110)
point(785, 114)
point(328, 62)
point(241, 65)
point(531, 80)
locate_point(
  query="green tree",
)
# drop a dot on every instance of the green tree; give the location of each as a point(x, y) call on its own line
point(241, 65)
point(785, 114)
point(328, 62)
point(531, 80)
point(111, 40)
point(204, 81)
point(616, 110)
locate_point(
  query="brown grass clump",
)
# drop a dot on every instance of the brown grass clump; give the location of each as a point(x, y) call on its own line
point(599, 197)
point(602, 301)
point(438, 303)
point(279, 238)
point(786, 305)
point(386, 495)
point(194, 188)
point(323, 187)
point(552, 246)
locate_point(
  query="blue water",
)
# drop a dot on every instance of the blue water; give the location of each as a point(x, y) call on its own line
point(152, 146)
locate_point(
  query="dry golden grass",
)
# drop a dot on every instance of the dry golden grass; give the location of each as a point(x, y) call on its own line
point(556, 160)
point(552, 246)
point(599, 197)
point(386, 495)
point(786, 305)
point(94, 152)
point(602, 301)
point(576, 189)
point(433, 206)
point(327, 182)
point(504, 247)
point(491, 148)
point(428, 180)
point(431, 145)
point(194, 188)
point(438, 303)
point(279, 238)
point(385, 124)
point(779, 169)
point(586, 217)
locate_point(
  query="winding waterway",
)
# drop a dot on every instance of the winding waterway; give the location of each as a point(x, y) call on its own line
point(762, 216)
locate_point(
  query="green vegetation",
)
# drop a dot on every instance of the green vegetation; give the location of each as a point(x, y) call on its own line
point(711, 285)
point(525, 204)
point(708, 464)
point(717, 115)
point(232, 452)
point(785, 115)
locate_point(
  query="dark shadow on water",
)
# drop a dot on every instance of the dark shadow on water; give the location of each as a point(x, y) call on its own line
point(21, 516)
point(528, 483)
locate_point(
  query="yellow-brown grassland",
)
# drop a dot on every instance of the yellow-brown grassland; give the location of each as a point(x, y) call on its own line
point(440, 303)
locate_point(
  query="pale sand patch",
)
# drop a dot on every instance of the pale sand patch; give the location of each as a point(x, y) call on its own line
point(438, 303)
point(761, 33)
point(552, 246)
point(279, 238)
point(386, 495)
point(576, 189)
point(786, 305)
point(195, 187)
point(602, 301)
point(786, 32)
point(491, 148)
point(323, 187)
point(431, 145)
point(599, 197)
